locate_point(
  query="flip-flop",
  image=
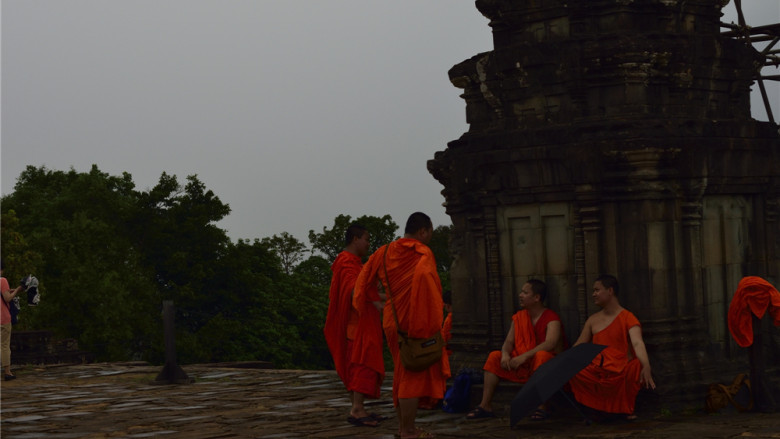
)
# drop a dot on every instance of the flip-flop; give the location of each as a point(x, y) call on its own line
point(479, 413)
point(378, 417)
point(366, 421)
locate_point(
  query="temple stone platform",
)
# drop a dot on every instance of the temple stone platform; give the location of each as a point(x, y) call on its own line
point(120, 400)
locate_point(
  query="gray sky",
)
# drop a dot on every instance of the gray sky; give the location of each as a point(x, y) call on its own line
point(291, 111)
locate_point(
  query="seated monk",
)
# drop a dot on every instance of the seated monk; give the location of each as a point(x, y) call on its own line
point(535, 336)
point(613, 379)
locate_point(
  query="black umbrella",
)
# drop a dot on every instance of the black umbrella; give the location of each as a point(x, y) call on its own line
point(550, 377)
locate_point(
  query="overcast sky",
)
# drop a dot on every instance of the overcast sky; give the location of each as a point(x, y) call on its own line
point(291, 111)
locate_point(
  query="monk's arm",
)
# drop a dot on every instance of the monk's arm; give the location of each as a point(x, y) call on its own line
point(587, 332)
point(549, 344)
point(507, 348)
point(365, 287)
point(645, 376)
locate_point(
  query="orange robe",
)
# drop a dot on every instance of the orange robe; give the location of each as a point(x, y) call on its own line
point(416, 293)
point(611, 382)
point(754, 296)
point(343, 326)
point(527, 337)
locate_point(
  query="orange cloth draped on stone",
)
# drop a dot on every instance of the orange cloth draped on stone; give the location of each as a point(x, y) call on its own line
point(346, 269)
point(611, 382)
point(754, 296)
point(416, 293)
point(527, 337)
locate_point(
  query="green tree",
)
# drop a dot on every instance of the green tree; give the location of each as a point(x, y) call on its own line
point(97, 288)
point(288, 249)
point(246, 323)
point(19, 260)
point(107, 255)
point(315, 271)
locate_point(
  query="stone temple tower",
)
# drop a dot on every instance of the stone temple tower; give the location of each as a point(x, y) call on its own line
point(613, 136)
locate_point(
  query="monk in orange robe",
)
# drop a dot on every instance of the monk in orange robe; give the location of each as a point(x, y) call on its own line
point(414, 289)
point(446, 327)
point(613, 379)
point(535, 337)
point(349, 333)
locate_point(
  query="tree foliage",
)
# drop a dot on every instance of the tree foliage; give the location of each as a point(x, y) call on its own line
point(107, 255)
point(289, 250)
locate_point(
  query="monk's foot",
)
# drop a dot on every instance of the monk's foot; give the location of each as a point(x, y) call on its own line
point(364, 421)
point(540, 415)
point(479, 413)
point(632, 417)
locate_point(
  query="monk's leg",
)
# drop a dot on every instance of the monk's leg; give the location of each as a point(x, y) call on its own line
point(358, 410)
point(488, 389)
point(407, 411)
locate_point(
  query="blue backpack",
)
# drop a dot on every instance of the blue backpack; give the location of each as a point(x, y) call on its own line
point(458, 396)
point(13, 309)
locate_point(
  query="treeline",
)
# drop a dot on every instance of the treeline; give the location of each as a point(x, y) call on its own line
point(108, 255)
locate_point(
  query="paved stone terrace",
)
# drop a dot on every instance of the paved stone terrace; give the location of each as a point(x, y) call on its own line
point(121, 401)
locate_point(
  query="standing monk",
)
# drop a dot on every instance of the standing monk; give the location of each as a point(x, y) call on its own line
point(415, 290)
point(535, 337)
point(612, 381)
point(354, 339)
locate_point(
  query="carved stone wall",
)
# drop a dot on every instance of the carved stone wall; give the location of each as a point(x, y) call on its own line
point(612, 137)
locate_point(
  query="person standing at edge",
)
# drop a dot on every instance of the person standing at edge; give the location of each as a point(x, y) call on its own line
point(5, 323)
point(612, 381)
point(415, 291)
point(535, 337)
point(354, 356)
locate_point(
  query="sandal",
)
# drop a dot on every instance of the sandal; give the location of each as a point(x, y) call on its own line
point(540, 415)
point(479, 413)
point(366, 421)
point(378, 417)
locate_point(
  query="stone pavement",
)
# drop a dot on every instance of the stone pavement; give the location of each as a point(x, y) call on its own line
point(120, 400)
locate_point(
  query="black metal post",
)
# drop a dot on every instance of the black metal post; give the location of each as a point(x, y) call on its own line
point(171, 372)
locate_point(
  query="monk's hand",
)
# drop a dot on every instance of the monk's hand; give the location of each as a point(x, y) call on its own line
point(505, 361)
point(518, 361)
point(646, 378)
